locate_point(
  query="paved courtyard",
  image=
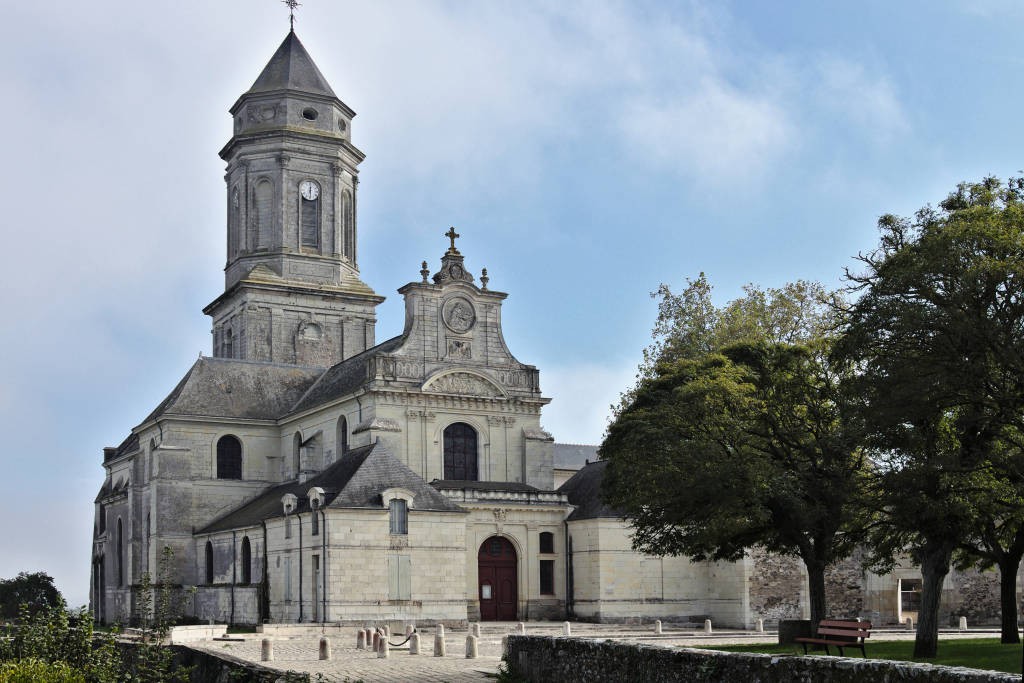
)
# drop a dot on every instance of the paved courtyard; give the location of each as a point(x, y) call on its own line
point(300, 652)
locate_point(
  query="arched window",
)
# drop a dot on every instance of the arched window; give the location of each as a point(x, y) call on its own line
point(103, 518)
point(209, 563)
point(229, 458)
point(246, 561)
point(309, 214)
point(229, 343)
point(341, 442)
point(348, 234)
point(120, 553)
point(263, 216)
point(296, 454)
point(398, 514)
point(460, 452)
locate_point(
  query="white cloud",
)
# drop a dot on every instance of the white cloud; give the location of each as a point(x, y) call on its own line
point(866, 100)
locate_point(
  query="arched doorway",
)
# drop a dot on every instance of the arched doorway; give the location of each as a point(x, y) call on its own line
point(497, 580)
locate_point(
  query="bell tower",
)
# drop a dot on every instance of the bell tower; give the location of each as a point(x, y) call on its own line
point(292, 288)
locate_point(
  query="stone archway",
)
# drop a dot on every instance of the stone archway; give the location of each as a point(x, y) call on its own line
point(498, 580)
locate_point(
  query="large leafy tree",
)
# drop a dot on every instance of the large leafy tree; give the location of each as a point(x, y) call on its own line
point(34, 590)
point(737, 436)
point(938, 337)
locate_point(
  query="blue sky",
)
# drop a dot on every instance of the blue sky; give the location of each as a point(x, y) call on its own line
point(586, 152)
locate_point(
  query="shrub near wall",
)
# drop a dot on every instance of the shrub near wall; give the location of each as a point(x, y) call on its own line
point(571, 660)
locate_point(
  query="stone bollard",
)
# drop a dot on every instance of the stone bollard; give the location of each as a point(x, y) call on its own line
point(409, 630)
point(707, 626)
point(475, 630)
point(759, 627)
point(384, 651)
point(657, 627)
point(325, 648)
point(414, 644)
point(386, 631)
point(376, 640)
point(522, 629)
point(963, 623)
point(267, 650)
point(910, 623)
point(471, 650)
point(361, 640)
point(439, 646)
point(566, 629)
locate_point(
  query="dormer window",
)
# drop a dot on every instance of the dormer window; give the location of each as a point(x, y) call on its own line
point(309, 214)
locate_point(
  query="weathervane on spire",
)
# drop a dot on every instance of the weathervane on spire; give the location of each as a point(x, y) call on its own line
point(292, 4)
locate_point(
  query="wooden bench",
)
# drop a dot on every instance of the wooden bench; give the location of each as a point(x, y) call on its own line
point(842, 634)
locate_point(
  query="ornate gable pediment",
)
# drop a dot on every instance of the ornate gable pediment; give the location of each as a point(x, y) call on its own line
point(463, 383)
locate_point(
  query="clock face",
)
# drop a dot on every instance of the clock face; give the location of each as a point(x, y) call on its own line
point(309, 190)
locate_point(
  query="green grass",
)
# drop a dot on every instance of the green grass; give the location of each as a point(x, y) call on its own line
point(977, 653)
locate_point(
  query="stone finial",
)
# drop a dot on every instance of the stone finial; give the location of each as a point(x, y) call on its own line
point(267, 650)
point(414, 644)
point(361, 640)
point(471, 647)
point(452, 235)
point(484, 279)
point(425, 272)
point(324, 652)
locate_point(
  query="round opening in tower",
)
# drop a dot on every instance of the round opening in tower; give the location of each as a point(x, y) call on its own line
point(309, 114)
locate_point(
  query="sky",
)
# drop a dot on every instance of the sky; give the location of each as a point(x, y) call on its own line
point(587, 151)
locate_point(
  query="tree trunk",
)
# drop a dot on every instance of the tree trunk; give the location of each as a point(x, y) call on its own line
point(816, 592)
point(935, 560)
point(1008, 597)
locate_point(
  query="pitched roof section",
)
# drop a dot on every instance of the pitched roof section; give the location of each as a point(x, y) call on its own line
point(573, 456)
point(222, 387)
point(344, 377)
point(355, 481)
point(291, 68)
point(583, 490)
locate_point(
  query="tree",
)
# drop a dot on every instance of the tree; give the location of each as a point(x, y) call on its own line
point(723, 447)
point(36, 590)
point(938, 336)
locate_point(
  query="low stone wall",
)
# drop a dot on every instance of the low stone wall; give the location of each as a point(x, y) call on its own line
point(190, 634)
point(571, 660)
point(219, 668)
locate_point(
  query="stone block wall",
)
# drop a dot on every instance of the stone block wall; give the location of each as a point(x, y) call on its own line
point(778, 586)
point(573, 660)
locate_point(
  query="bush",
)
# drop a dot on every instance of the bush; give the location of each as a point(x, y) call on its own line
point(37, 671)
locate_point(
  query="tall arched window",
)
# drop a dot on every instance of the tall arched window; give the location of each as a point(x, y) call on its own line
point(460, 452)
point(309, 214)
point(229, 458)
point(348, 235)
point(209, 563)
point(246, 561)
point(296, 454)
point(341, 442)
point(120, 553)
point(263, 212)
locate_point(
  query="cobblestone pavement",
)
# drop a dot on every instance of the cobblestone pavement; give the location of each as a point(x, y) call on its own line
point(300, 652)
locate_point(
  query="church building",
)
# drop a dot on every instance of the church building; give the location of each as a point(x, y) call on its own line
point(307, 472)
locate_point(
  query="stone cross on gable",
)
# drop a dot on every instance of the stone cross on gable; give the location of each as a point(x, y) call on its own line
point(292, 4)
point(452, 235)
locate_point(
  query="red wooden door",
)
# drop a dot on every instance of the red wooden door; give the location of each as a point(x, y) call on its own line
point(498, 580)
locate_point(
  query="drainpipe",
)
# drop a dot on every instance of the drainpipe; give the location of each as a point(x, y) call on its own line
point(263, 579)
point(299, 518)
point(568, 572)
point(323, 564)
point(234, 574)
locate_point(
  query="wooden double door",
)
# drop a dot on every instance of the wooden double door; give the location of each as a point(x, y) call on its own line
point(498, 579)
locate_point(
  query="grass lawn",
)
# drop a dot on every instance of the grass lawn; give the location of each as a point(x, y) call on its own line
point(977, 653)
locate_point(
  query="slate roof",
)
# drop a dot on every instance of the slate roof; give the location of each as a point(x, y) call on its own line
point(573, 456)
point(223, 387)
point(355, 481)
point(344, 377)
point(510, 486)
point(291, 68)
point(583, 490)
